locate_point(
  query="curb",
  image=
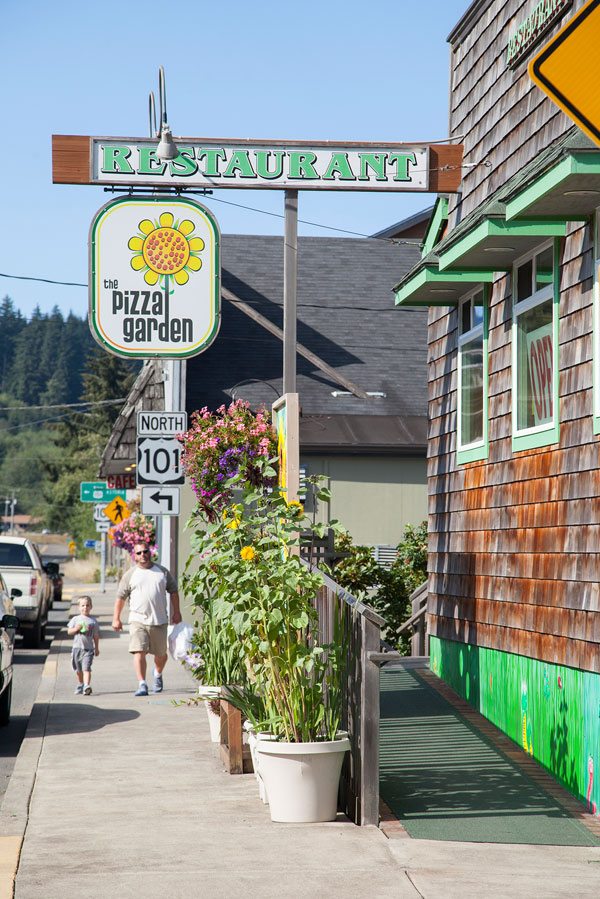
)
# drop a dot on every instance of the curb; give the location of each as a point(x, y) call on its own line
point(14, 810)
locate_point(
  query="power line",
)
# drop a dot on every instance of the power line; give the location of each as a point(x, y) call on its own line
point(63, 405)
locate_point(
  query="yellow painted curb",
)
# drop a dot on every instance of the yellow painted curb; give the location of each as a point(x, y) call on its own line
point(10, 850)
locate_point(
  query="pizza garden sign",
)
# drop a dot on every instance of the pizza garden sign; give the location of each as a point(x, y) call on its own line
point(151, 259)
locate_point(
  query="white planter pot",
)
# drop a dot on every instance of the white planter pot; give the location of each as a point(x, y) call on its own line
point(302, 779)
point(253, 739)
point(214, 718)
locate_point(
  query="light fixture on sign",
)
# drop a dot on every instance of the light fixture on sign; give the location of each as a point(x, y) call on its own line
point(498, 249)
point(581, 193)
point(167, 149)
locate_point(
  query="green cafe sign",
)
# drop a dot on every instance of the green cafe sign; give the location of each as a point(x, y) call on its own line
point(262, 164)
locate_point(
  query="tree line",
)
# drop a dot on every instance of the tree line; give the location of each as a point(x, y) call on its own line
point(47, 360)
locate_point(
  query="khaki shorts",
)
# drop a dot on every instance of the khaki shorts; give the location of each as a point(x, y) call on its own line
point(150, 638)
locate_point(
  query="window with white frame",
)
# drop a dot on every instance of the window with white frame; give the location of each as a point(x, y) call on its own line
point(472, 377)
point(535, 346)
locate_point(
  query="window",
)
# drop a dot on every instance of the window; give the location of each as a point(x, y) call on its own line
point(472, 436)
point(535, 343)
point(597, 323)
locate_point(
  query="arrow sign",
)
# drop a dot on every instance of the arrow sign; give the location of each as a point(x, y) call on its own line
point(160, 500)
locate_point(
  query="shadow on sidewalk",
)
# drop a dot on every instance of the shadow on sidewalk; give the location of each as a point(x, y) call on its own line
point(77, 717)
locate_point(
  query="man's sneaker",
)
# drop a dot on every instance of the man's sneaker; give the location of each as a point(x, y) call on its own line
point(142, 690)
point(158, 684)
point(79, 689)
point(87, 690)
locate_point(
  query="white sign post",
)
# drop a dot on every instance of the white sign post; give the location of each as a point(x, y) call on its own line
point(154, 277)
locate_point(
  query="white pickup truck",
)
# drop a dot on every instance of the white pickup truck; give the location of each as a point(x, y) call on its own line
point(22, 567)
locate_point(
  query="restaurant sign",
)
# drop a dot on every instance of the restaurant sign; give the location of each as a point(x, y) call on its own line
point(261, 164)
point(154, 277)
point(531, 29)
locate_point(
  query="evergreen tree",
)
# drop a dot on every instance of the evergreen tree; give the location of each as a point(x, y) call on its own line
point(11, 325)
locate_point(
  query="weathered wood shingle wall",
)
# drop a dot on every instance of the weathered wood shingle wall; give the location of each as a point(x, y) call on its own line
point(504, 119)
point(515, 540)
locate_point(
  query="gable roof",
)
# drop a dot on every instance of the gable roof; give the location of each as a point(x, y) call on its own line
point(345, 315)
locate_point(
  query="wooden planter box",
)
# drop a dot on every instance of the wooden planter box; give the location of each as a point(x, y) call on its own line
point(235, 755)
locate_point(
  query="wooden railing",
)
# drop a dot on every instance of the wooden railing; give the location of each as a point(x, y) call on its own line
point(361, 627)
point(417, 623)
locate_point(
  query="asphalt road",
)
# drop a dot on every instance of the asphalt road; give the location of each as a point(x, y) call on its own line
point(28, 664)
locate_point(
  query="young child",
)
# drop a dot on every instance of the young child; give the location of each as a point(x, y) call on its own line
point(86, 631)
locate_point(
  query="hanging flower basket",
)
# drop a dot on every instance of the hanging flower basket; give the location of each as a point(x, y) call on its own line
point(135, 529)
point(221, 444)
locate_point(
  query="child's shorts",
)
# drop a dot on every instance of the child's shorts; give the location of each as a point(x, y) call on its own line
point(81, 659)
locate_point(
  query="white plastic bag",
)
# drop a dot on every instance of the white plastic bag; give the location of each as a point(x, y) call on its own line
point(179, 637)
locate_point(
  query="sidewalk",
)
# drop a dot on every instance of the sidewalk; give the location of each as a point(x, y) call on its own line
point(123, 796)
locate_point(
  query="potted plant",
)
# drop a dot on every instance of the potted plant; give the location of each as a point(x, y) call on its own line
point(262, 592)
point(215, 661)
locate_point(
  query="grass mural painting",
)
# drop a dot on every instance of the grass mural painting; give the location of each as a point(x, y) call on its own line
point(551, 711)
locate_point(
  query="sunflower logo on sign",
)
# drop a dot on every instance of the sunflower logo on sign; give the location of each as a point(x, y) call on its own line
point(164, 249)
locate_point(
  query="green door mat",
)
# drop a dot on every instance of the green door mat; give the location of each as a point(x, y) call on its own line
point(445, 781)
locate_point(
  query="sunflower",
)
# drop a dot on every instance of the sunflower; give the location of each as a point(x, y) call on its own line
point(165, 249)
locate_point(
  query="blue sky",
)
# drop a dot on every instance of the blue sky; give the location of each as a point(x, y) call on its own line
point(327, 71)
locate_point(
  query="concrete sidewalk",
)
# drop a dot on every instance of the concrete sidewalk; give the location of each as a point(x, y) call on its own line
point(124, 796)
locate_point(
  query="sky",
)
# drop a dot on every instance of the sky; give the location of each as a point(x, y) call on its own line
point(328, 71)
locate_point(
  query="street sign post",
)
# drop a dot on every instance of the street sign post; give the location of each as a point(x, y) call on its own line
point(96, 492)
point(159, 461)
point(160, 500)
point(566, 69)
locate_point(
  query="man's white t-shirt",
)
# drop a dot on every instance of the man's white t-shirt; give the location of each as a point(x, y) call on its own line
point(146, 589)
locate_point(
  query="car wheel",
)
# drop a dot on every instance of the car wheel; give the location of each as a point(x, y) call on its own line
point(5, 700)
point(33, 637)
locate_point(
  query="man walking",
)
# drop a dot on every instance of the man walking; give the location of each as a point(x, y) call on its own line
point(146, 585)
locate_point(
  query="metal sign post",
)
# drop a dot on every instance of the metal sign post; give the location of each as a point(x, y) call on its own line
point(290, 279)
point(103, 562)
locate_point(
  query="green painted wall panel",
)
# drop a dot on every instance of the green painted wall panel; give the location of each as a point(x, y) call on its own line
point(551, 711)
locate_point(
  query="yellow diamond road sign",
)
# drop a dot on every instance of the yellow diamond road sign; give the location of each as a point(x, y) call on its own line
point(566, 69)
point(117, 510)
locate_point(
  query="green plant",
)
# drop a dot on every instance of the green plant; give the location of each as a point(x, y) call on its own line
point(258, 587)
point(215, 658)
point(408, 571)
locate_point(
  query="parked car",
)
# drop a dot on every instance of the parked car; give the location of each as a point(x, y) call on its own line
point(22, 568)
point(8, 626)
point(56, 577)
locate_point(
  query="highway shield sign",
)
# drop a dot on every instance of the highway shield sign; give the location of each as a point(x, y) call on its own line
point(159, 461)
point(566, 69)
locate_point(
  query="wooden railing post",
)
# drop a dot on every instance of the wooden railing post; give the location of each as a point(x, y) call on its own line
point(369, 725)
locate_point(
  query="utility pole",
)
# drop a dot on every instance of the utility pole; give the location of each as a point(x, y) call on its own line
point(12, 514)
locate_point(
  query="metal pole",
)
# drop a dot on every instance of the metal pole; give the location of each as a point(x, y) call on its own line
point(290, 279)
point(103, 562)
point(12, 514)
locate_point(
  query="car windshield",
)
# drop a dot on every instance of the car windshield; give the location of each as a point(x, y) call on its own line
point(14, 555)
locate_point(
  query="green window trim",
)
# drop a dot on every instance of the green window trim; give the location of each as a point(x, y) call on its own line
point(542, 435)
point(479, 450)
point(596, 326)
